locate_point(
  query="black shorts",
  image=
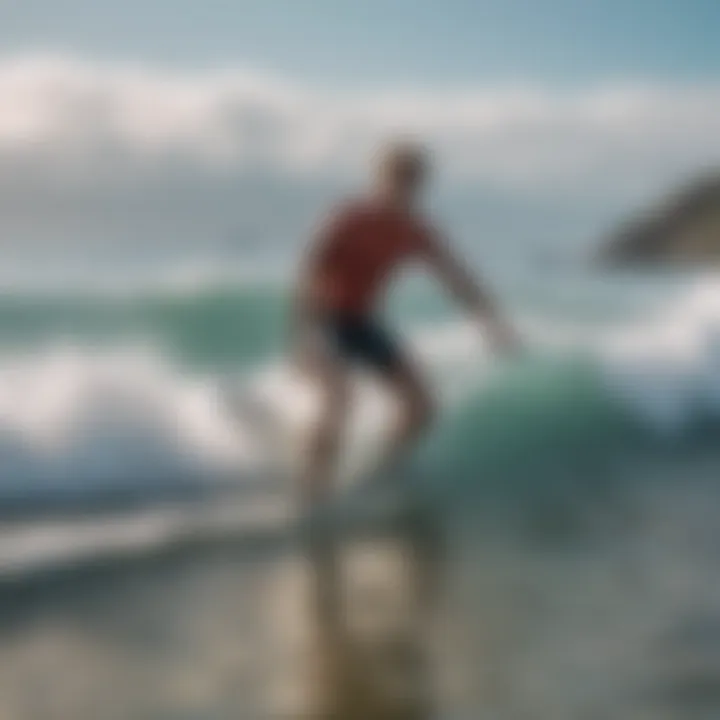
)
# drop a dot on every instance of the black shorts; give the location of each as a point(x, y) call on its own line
point(360, 340)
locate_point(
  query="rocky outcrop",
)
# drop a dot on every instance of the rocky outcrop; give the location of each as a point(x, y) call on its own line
point(684, 229)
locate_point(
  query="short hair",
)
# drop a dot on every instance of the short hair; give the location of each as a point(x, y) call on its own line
point(404, 159)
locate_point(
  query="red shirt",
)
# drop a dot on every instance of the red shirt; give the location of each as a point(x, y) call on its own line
point(359, 250)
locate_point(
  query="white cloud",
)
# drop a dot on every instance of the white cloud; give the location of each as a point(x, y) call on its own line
point(68, 119)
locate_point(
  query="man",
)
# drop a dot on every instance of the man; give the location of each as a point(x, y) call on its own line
point(348, 268)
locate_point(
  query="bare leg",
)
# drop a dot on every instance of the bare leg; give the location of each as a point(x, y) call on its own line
point(416, 413)
point(324, 445)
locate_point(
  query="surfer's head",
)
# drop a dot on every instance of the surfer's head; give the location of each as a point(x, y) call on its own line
point(401, 172)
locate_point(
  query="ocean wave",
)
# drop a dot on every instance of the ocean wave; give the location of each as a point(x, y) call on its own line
point(667, 367)
point(81, 425)
point(77, 422)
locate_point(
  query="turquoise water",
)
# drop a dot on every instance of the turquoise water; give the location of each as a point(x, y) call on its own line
point(614, 366)
point(104, 353)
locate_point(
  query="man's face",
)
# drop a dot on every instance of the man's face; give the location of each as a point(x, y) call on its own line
point(404, 177)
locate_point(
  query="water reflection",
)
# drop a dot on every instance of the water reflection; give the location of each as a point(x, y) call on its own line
point(365, 616)
point(332, 629)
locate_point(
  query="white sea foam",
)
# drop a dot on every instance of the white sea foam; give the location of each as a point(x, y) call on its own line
point(75, 418)
point(91, 421)
point(98, 420)
point(667, 368)
point(79, 418)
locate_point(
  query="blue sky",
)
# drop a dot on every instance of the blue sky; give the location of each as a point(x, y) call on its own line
point(374, 41)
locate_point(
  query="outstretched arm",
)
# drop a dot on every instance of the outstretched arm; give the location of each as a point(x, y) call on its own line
point(472, 294)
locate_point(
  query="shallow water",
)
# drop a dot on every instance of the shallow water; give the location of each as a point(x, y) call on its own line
point(606, 608)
